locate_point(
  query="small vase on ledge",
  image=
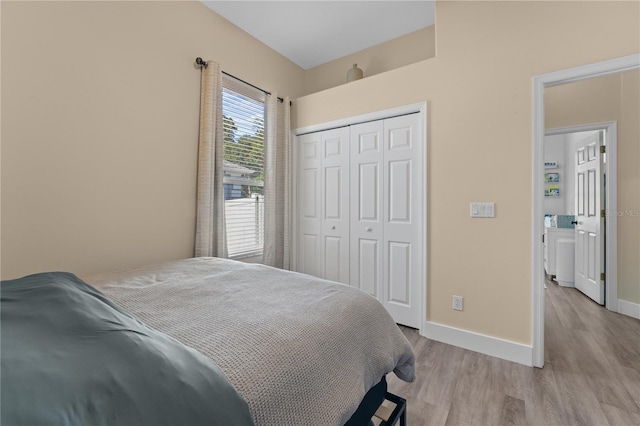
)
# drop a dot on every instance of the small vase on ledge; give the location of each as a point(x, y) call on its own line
point(354, 73)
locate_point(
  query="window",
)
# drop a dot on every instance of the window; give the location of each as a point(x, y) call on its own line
point(243, 124)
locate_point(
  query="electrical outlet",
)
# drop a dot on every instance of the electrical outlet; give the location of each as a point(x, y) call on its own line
point(458, 303)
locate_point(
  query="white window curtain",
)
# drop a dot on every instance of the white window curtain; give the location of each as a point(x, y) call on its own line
point(277, 182)
point(210, 227)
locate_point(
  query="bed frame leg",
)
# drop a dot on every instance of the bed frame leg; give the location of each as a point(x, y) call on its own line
point(390, 418)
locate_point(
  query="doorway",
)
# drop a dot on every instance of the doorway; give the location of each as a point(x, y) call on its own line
point(540, 83)
point(566, 209)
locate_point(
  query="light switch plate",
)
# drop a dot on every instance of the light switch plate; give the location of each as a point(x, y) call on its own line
point(483, 209)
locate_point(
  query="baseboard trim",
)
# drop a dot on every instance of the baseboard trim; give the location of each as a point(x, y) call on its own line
point(499, 348)
point(629, 308)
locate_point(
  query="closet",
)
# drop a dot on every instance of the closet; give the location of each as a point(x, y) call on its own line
point(360, 210)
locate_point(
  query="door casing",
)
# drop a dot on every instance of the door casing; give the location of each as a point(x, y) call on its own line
point(539, 82)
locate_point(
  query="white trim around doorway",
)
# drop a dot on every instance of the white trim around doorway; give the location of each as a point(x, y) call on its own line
point(539, 83)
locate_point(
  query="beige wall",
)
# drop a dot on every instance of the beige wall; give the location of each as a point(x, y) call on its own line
point(610, 98)
point(629, 190)
point(100, 108)
point(588, 101)
point(408, 49)
point(478, 89)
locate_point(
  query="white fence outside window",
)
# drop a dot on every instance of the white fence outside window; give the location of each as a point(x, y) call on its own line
point(245, 226)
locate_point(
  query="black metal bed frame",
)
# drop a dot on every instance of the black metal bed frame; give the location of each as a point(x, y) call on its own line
point(398, 413)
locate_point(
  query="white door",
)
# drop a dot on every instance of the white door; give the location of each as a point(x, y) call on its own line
point(366, 207)
point(309, 205)
point(335, 204)
point(360, 211)
point(402, 187)
point(589, 227)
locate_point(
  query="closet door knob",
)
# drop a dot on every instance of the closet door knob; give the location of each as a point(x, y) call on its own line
point(368, 229)
point(333, 227)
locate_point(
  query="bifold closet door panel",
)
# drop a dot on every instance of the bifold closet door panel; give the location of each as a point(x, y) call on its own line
point(402, 188)
point(360, 210)
point(310, 205)
point(335, 204)
point(367, 207)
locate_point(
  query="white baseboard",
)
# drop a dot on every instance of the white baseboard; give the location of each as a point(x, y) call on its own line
point(629, 308)
point(500, 348)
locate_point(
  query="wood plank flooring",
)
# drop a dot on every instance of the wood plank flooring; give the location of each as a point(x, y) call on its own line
point(591, 374)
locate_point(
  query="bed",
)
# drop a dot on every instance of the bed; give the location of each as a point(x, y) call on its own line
point(271, 347)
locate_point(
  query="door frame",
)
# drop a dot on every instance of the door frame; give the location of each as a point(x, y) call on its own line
point(539, 83)
point(421, 109)
point(611, 199)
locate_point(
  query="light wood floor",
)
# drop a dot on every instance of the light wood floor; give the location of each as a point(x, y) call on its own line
point(591, 374)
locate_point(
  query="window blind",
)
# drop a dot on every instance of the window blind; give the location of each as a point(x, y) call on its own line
point(243, 127)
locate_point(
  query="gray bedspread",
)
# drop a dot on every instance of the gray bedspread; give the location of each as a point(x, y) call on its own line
point(72, 357)
point(299, 350)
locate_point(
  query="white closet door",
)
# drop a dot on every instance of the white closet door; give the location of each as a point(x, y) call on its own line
point(309, 205)
point(403, 219)
point(335, 204)
point(360, 211)
point(366, 207)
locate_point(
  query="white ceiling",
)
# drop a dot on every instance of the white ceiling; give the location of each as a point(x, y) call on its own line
point(310, 33)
